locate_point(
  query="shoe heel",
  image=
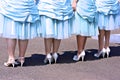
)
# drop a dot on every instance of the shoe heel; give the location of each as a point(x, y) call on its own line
point(22, 63)
point(107, 54)
point(55, 56)
point(81, 55)
point(55, 60)
point(103, 54)
point(108, 51)
point(82, 58)
point(11, 62)
point(22, 60)
point(49, 60)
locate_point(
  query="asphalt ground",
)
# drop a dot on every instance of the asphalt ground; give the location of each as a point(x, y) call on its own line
point(65, 69)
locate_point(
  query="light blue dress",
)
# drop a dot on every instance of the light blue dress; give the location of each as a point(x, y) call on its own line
point(18, 19)
point(108, 14)
point(56, 18)
point(84, 22)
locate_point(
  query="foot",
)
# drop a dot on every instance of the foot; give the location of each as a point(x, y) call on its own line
point(81, 55)
point(107, 51)
point(55, 57)
point(101, 52)
point(48, 59)
point(20, 61)
point(10, 62)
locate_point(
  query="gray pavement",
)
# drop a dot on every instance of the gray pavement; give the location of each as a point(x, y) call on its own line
point(66, 68)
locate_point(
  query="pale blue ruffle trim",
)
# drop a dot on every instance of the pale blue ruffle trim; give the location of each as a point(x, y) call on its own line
point(53, 28)
point(56, 9)
point(108, 22)
point(17, 30)
point(108, 6)
point(83, 27)
point(21, 10)
point(86, 9)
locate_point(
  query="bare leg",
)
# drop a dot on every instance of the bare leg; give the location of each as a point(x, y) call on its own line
point(22, 47)
point(48, 44)
point(101, 50)
point(22, 50)
point(11, 44)
point(101, 39)
point(81, 41)
point(56, 44)
point(107, 38)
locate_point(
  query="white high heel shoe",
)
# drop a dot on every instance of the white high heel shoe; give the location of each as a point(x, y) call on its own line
point(48, 59)
point(20, 61)
point(11, 62)
point(107, 51)
point(102, 52)
point(81, 55)
point(55, 56)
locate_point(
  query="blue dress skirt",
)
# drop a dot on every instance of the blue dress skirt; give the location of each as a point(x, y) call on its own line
point(84, 22)
point(56, 18)
point(19, 19)
point(108, 14)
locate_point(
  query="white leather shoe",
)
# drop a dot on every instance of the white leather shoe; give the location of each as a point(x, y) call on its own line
point(81, 55)
point(55, 56)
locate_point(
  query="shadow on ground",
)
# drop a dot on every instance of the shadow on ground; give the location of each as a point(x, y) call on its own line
point(66, 57)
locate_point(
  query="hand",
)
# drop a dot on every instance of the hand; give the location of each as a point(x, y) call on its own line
point(74, 4)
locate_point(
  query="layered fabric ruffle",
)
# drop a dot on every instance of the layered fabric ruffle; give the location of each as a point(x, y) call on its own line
point(84, 21)
point(53, 28)
point(20, 10)
point(56, 18)
point(17, 30)
point(87, 9)
point(83, 27)
point(108, 22)
point(108, 14)
point(56, 9)
point(107, 6)
point(18, 19)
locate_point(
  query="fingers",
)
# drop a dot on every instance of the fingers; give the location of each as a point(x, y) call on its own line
point(74, 6)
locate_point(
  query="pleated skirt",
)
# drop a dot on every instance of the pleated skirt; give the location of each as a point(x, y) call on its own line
point(108, 22)
point(17, 30)
point(83, 27)
point(54, 28)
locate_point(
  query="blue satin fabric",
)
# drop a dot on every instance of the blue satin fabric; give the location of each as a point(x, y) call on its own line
point(19, 10)
point(107, 6)
point(87, 9)
point(56, 9)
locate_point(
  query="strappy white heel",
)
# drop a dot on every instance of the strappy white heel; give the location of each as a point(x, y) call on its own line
point(11, 62)
point(20, 61)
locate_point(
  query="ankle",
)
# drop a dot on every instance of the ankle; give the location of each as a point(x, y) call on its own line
point(48, 55)
point(21, 59)
point(10, 60)
point(79, 52)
